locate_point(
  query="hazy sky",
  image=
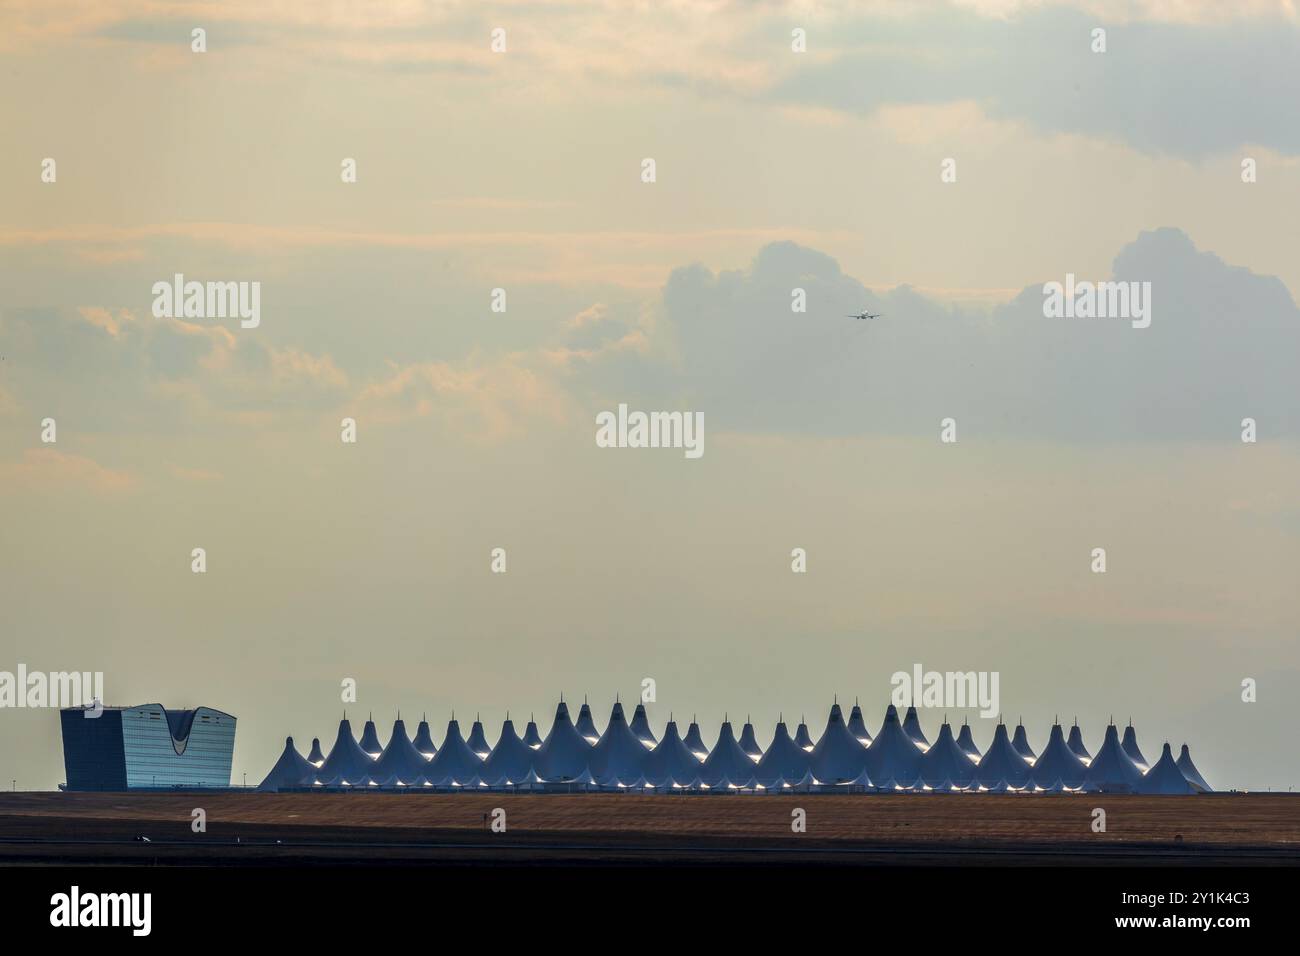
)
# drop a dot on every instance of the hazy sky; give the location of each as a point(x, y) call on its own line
point(775, 170)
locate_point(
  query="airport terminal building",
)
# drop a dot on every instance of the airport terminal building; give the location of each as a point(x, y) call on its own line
point(147, 747)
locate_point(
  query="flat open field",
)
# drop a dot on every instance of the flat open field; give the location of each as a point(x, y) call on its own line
point(270, 829)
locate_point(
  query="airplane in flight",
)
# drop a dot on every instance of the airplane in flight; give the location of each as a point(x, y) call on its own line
point(865, 315)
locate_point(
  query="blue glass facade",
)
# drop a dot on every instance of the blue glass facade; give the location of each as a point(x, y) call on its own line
point(129, 748)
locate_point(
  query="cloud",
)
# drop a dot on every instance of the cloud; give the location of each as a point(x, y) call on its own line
point(478, 399)
point(1185, 89)
point(1221, 347)
point(47, 469)
point(114, 370)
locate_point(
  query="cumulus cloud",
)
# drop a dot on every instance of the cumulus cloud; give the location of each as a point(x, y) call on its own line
point(479, 399)
point(115, 369)
point(47, 469)
point(1220, 347)
point(1186, 89)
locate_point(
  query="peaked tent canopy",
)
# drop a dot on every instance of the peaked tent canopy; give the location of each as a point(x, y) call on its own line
point(1130, 745)
point(893, 755)
point(618, 756)
point(967, 743)
point(1021, 743)
point(1113, 769)
point(802, 738)
point(370, 740)
point(532, 737)
point(671, 762)
point(477, 741)
point(585, 726)
point(454, 764)
point(839, 757)
point(749, 742)
point(641, 728)
point(858, 727)
point(727, 763)
point(347, 764)
point(1075, 743)
point(1165, 778)
point(945, 764)
point(315, 758)
point(564, 755)
point(424, 740)
point(1190, 772)
point(912, 727)
point(1058, 763)
point(695, 743)
point(291, 770)
point(511, 761)
point(784, 762)
point(400, 763)
point(1002, 766)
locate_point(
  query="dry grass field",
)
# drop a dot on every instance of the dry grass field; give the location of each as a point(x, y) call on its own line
point(269, 828)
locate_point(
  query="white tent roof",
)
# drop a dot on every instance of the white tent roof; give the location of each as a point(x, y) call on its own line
point(1190, 772)
point(618, 756)
point(694, 742)
point(1001, 764)
point(454, 764)
point(1058, 763)
point(857, 726)
point(1076, 744)
point(291, 770)
point(564, 755)
point(802, 738)
point(401, 762)
point(749, 742)
point(912, 727)
point(640, 727)
point(784, 761)
point(424, 740)
point(893, 755)
point(1165, 777)
point(370, 739)
point(585, 725)
point(511, 760)
point(839, 757)
point(477, 740)
point(1130, 745)
point(347, 763)
point(1020, 741)
point(670, 762)
point(1112, 768)
point(967, 743)
point(727, 763)
point(946, 764)
point(532, 737)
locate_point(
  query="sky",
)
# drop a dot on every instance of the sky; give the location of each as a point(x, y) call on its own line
point(775, 170)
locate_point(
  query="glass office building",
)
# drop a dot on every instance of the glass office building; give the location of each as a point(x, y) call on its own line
point(138, 748)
